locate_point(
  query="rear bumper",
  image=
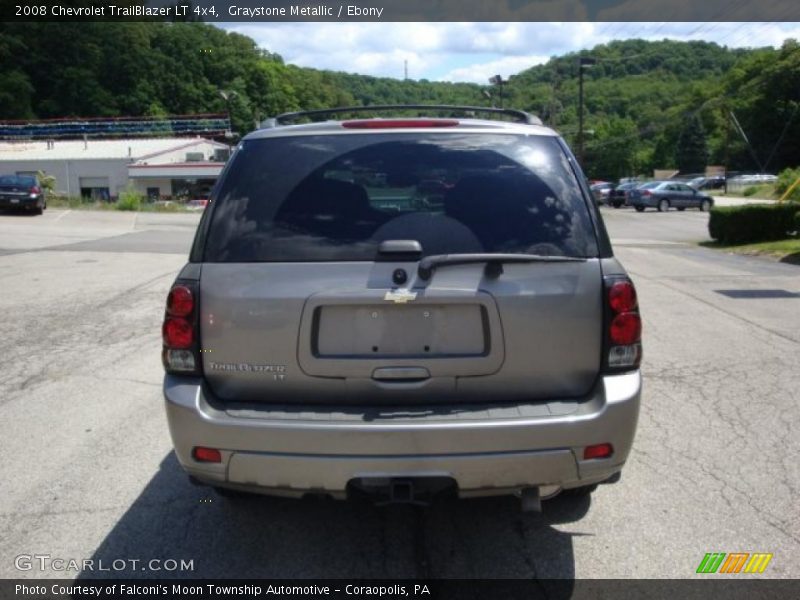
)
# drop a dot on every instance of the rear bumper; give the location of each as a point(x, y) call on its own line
point(486, 450)
point(21, 202)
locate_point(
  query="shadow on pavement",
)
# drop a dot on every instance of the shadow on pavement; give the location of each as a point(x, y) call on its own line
point(262, 537)
point(792, 259)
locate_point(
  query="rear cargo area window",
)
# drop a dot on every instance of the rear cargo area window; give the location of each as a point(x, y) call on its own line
point(337, 197)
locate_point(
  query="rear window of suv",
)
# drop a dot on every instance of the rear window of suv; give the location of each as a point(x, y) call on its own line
point(337, 197)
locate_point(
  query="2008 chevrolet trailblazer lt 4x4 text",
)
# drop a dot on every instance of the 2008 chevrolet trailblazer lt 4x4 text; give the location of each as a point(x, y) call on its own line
point(397, 306)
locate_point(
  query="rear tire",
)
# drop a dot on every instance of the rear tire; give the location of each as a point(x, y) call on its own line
point(38, 210)
point(681, 208)
point(705, 206)
point(639, 208)
point(663, 205)
point(617, 204)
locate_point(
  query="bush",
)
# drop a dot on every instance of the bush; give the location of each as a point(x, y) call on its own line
point(129, 199)
point(785, 179)
point(752, 223)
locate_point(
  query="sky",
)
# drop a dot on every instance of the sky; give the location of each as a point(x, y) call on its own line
point(475, 51)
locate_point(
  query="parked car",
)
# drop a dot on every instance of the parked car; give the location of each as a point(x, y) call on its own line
point(22, 192)
point(619, 195)
point(714, 182)
point(602, 191)
point(198, 204)
point(316, 343)
point(663, 195)
point(754, 179)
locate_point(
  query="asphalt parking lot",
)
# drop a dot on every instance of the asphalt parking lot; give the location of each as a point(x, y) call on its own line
point(88, 470)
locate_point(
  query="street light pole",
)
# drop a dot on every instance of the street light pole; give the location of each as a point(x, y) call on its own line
point(584, 62)
point(228, 96)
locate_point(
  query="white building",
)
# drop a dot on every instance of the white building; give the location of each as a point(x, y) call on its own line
point(157, 167)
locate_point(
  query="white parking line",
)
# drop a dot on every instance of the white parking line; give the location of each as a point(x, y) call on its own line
point(62, 215)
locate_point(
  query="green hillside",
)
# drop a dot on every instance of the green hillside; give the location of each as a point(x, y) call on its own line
point(644, 100)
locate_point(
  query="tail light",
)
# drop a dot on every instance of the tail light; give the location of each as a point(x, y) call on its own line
point(398, 123)
point(208, 455)
point(598, 451)
point(35, 190)
point(181, 342)
point(647, 193)
point(623, 325)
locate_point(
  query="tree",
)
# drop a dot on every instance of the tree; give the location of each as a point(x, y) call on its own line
point(613, 152)
point(48, 182)
point(691, 152)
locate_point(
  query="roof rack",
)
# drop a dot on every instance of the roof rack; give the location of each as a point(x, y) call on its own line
point(286, 118)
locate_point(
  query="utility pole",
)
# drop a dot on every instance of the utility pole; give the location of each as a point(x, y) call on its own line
point(727, 144)
point(498, 81)
point(553, 109)
point(584, 62)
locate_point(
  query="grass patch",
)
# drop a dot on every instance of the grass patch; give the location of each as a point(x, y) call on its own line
point(787, 250)
point(764, 192)
point(77, 203)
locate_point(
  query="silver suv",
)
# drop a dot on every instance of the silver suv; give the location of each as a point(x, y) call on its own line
point(398, 306)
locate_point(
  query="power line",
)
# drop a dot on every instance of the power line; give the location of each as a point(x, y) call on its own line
point(708, 103)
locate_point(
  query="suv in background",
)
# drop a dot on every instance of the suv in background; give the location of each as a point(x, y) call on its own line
point(344, 325)
point(22, 192)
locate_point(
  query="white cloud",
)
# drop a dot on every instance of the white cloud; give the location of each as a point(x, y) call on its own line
point(480, 72)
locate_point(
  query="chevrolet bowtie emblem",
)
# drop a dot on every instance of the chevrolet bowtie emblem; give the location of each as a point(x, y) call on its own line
point(400, 296)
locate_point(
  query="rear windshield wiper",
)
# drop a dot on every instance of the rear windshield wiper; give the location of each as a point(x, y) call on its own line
point(494, 262)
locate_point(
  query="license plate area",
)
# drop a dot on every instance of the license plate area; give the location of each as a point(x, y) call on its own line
point(350, 335)
point(415, 331)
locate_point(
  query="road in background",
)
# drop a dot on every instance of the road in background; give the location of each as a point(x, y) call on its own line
point(88, 470)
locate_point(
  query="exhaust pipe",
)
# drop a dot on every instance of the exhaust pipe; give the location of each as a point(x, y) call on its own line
point(530, 499)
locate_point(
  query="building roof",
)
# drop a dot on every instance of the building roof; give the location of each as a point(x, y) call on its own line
point(133, 149)
point(176, 170)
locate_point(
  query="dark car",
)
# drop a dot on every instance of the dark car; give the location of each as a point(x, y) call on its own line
point(663, 195)
point(22, 192)
point(715, 182)
point(619, 195)
point(602, 191)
